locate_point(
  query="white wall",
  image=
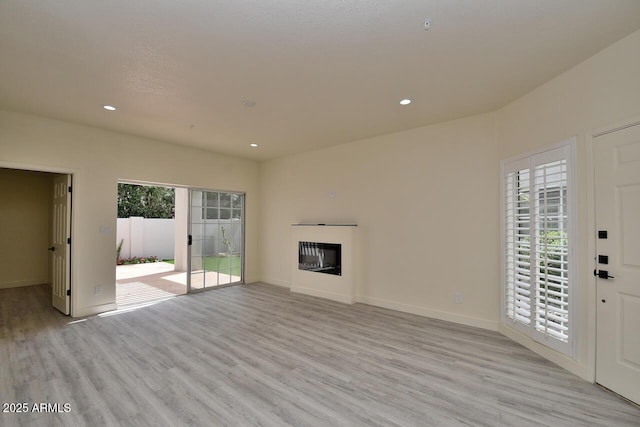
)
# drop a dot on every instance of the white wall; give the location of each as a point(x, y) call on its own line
point(159, 238)
point(25, 226)
point(155, 237)
point(98, 159)
point(123, 234)
point(426, 205)
point(599, 93)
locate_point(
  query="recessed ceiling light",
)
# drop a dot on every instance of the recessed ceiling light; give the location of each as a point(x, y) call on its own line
point(406, 101)
point(253, 145)
point(427, 24)
point(109, 107)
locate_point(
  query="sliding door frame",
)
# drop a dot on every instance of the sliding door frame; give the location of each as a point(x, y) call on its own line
point(191, 190)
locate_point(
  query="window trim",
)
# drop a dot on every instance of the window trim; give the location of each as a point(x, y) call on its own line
point(528, 159)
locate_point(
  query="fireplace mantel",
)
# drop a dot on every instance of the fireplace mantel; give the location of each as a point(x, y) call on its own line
point(341, 288)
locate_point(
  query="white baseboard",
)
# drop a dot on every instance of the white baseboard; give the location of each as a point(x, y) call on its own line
point(21, 283)
point(558, 358)
point(392, 305)
point(96, 309)
point(277, 282)
point(428, 312)
point(328, 295)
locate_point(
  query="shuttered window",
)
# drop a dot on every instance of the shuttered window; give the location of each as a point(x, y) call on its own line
point(538, 212)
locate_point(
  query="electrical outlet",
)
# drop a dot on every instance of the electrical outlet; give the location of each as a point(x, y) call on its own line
point(97, 290)
point(458, 298)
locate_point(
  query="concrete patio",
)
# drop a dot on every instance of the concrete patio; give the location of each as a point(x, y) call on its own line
point(140, 283)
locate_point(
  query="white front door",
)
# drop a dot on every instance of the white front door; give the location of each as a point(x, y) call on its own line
point(617, 195)
point(61, 247)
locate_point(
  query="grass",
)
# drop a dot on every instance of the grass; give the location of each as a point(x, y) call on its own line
point(219, 263)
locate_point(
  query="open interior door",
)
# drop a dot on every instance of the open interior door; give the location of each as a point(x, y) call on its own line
point(61, 244)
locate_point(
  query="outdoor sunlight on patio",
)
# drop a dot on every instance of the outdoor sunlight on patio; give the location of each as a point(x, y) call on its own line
point(140, 283)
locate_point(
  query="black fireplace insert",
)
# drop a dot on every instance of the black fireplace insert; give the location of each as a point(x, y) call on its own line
point(320, 257)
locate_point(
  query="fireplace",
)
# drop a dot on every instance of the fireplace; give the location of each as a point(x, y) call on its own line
point(323, 269)
point(320, 257)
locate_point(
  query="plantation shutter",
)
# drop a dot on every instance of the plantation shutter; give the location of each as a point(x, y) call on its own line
point(552, 250)
point(518, 246)
point(536, 244)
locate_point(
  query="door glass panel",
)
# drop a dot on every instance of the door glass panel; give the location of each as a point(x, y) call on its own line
point(217, 239)
point(225, 200)
point(212, 199)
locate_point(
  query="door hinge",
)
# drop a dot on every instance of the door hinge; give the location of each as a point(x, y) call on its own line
point(68, 240)
point(70, 190)
point(189, 240)
point(68, 292)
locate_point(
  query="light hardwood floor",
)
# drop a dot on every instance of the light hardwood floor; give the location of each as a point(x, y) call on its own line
point(258, 355)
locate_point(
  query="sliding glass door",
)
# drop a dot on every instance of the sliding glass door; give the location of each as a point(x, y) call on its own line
point(216, 239)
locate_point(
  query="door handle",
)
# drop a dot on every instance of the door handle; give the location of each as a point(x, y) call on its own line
point(602, 274)
point(52, 248)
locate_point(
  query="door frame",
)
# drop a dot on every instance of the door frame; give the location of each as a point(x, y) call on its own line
point(591, 300)
point(190, 191)
point(73, 272)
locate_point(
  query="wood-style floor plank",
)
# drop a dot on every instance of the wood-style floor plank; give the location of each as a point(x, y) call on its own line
point(259, 355)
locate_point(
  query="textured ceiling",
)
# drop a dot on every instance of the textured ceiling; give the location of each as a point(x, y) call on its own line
point(320, 72)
